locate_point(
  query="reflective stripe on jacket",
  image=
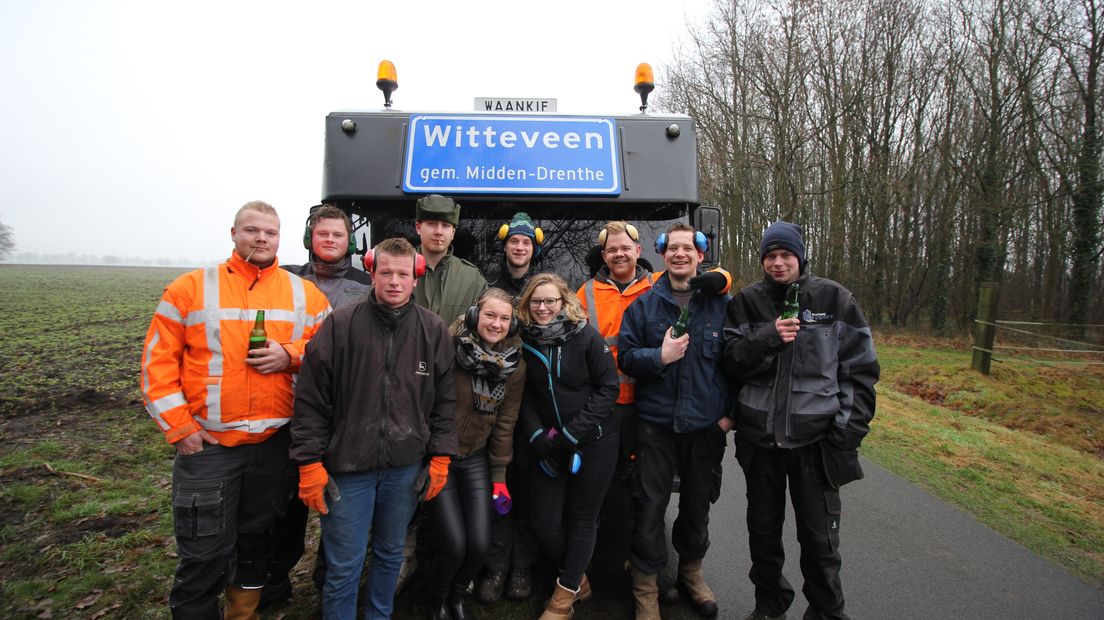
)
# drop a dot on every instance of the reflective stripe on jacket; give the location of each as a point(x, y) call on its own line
point(605, 304)
point(193, 363)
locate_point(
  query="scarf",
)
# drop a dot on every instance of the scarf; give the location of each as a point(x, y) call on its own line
point(559, 331)
point(488, 369)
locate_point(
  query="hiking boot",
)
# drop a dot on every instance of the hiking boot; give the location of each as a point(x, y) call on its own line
point(559, 606)
point(491, 587)
point(521, 585)
point(241, 604)
point(692, 579)
point(668, 593)
point(645, 596)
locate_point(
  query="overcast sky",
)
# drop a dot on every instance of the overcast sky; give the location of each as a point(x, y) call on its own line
point(138, 128)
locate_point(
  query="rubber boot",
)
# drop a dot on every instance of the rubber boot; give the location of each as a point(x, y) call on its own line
point(559, 607)
point(241, 604)
point(646, 596)
point(691, 578)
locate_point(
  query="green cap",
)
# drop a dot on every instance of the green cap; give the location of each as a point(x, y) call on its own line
point(437, 207)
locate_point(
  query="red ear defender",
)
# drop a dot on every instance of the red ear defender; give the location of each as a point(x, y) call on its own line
point(370, 260)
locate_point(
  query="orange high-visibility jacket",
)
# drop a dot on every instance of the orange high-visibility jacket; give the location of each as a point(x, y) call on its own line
point(605, 305)
point(194, 373)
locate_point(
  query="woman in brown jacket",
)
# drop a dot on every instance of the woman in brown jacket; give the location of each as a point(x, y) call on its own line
point(489, 377)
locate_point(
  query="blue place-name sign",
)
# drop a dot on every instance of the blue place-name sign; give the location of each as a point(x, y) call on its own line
point(511, 154)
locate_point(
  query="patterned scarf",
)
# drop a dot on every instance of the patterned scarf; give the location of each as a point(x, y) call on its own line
point(555, 333)
point(489, 369)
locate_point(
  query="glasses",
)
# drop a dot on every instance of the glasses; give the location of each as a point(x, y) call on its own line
point(551, 302)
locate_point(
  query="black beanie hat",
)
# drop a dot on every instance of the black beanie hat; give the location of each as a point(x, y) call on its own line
point(783, 235)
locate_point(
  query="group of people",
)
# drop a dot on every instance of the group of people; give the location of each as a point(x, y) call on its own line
point(525, 416)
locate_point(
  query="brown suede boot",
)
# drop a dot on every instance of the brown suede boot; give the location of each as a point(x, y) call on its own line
point(691, 578)
point(241, 604)
point(646, 595)
point(559, 607)
point(585, 593)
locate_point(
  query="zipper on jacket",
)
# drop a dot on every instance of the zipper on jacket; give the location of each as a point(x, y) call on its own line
point(547, 361)
point(385, 395)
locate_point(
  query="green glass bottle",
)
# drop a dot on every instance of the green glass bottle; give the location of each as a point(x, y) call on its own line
point(258, 338)
point(680, 325)
point(791, 309)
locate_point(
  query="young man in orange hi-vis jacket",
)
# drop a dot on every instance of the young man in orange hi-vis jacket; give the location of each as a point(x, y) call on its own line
point(605, 297)
point(226, 407)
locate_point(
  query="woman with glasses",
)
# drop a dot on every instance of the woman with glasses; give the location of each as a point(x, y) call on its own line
point(570, 386)
point(488, 395)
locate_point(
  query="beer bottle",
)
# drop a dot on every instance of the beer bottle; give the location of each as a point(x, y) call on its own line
point(258, 338)
point(791, 309)
point(680, 325)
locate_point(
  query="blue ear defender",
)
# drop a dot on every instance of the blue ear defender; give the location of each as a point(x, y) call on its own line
point(701, 242)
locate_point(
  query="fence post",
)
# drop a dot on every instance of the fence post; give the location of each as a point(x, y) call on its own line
point(983, 329)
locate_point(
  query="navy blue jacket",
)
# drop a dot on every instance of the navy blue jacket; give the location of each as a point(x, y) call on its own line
point(690, 394)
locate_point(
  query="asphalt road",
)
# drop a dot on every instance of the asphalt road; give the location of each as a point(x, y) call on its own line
point(906, 554)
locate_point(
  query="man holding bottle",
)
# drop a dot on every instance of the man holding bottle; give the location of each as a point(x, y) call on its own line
point(804, 403)
point(225, 407)
point(681, 401)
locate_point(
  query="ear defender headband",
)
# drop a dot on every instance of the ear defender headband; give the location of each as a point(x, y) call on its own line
point(308, 240)
point(370, 263)
point(701, 242)
point(471, 320)
point(633, 233)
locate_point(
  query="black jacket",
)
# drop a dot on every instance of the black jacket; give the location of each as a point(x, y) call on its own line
point(342, 284)
point(572, 387)
point(375, 390)
point(819, 387)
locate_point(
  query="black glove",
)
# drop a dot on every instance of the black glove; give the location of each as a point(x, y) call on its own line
point(710, 282)
point(543, 445)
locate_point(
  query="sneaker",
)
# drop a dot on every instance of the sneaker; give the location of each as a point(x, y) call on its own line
point(521, 585)
point(490, 587)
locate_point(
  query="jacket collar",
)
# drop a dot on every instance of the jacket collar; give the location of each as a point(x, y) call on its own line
point(604, 276)
point(238, 265)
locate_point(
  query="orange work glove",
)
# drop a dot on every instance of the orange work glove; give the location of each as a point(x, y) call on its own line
point(312, 486)
point(438, 475)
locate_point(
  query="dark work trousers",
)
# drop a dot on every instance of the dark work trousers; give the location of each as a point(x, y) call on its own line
point(225, 503)
point(565, 507)
point(289, 532)
point(461, 516)
point(513, 543)
point(817, 515)
point(660, 454)
point(615, 524)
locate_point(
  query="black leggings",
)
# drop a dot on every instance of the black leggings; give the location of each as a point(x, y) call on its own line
point(462, 520)
point(565, 508)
